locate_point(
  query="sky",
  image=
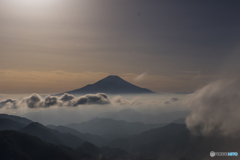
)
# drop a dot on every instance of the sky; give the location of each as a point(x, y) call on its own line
point(52, 46)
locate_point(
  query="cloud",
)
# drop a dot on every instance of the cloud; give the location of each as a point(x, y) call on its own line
point(121, 101)
point(36, 101)
point(32, 101)
point(174, 99)
point(9, 103)
point(49, 101)
point(66, 97)
point(141, 76)
point(171, 100)
point(215, 109)
point(99, 98)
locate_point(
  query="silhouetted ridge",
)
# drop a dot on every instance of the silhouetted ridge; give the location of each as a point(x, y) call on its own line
point(39, 130)
point(112, 85)
point(18, 119)
point(36, 125)
point(7, 124)
point(111, 129)
point(94, 139)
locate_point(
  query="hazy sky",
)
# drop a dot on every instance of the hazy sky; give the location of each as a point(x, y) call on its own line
point(51, 46)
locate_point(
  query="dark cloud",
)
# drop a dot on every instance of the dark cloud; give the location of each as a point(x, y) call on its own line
point(166, 102)
point(174, 99)
point(215, 109)
point(36, 101)
point(171, 100)
point(9, 102)
point(66, 97)
point(32, 101)
point(50, 101)
point(82, 100)
point(99, 98)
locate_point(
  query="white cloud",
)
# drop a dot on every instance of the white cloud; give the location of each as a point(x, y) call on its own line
point(215, 109)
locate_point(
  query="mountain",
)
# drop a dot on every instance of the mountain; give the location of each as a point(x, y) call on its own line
point(110, 85)
point(131, 115)
point(20, 146)
point(111, 129)
point(16, 119)
point(89, 148)
point(95, 139)
point(104, 152)
point(175, 142)
point(7, 124)
point(52, 136)
point(179, 121)
point(39, 130)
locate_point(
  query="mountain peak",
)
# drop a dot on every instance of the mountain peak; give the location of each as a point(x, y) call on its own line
point(113, 76)
point(112, 79)
point(111, 84)
point(35, 125)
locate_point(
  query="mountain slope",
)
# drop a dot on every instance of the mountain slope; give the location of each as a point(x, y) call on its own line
point(95, 139)
point(111, 85)
point(52, 136)
point(103, 152)
point(175, 142)
point(38, 130)
point(20, 146)
point(7, 124)
point(18, 119)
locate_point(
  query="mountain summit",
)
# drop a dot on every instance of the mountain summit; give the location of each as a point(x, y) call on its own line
point(112, 85)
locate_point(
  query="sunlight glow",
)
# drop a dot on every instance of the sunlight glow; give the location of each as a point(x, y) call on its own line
point(33, 3)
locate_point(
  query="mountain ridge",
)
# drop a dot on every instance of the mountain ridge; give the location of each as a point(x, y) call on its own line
point(111, 129)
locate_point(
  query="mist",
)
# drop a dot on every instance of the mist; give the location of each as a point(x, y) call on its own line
point(65, 109)
point(215, 109)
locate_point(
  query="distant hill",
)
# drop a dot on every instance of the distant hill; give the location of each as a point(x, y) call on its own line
point(110, 129)
point(95, 139)
point(110, 85)
point(131, 115)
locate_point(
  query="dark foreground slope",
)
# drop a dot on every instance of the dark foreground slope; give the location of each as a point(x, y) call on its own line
point(110, 85)
point(7, 124)
point(175, 142)
point(20, 146)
